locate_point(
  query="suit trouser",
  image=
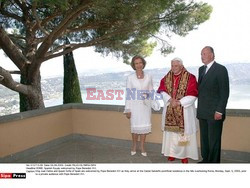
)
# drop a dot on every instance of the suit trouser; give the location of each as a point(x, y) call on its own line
point(210, 137)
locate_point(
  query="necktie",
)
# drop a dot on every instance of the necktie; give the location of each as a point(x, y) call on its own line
point(203, 72)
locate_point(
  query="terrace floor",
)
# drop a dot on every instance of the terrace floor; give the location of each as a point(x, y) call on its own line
point(91, 149)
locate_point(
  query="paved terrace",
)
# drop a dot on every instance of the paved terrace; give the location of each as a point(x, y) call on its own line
point(92, 149)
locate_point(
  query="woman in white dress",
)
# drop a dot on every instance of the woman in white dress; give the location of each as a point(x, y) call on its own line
point(139, 86)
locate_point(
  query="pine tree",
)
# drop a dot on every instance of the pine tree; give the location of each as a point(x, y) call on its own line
point(33, 31)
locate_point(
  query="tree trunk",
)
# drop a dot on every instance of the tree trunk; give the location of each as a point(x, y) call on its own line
point(23, 98)
point(34, 99)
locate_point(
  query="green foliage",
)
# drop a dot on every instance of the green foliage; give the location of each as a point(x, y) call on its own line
point(71, 86)
point(122, 27)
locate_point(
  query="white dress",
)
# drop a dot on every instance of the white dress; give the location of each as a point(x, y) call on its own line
point(170, 140)
point(140, 112)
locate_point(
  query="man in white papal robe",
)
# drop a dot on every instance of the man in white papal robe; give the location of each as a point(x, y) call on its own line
point(179, 125)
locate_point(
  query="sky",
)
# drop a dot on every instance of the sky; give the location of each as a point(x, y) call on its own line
point(227, 31)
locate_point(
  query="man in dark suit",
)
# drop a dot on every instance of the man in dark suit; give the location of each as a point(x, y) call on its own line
point(213, 93)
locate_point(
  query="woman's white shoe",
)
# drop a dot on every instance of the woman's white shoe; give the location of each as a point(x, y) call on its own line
point(133, 152)
point(144, 154)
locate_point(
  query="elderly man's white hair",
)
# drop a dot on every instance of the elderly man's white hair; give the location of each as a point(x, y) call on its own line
point(177, 59)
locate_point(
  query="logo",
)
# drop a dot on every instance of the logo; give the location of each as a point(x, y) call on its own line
point(12, 175)
point(131, 94)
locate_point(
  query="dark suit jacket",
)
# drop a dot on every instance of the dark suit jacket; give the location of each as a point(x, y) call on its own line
point(213, 91)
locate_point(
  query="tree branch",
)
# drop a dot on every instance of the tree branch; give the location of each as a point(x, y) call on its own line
point(51, 17)
point(8, 14)
point(70, 15)
point(72, 48)
point(95, 25)
point(7, 80)
point(15, 72)
point(12, 51)
point(38, 21)
point(87, 26)
point(99, 40)
point(20, 4)
point(60, 48)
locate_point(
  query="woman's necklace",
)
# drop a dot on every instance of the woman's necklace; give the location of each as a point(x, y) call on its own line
point(140, 76)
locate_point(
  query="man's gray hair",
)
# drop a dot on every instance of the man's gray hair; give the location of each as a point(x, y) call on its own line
point(177, 59)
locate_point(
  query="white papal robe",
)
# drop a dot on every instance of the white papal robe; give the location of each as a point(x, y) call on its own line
point(170, 140)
